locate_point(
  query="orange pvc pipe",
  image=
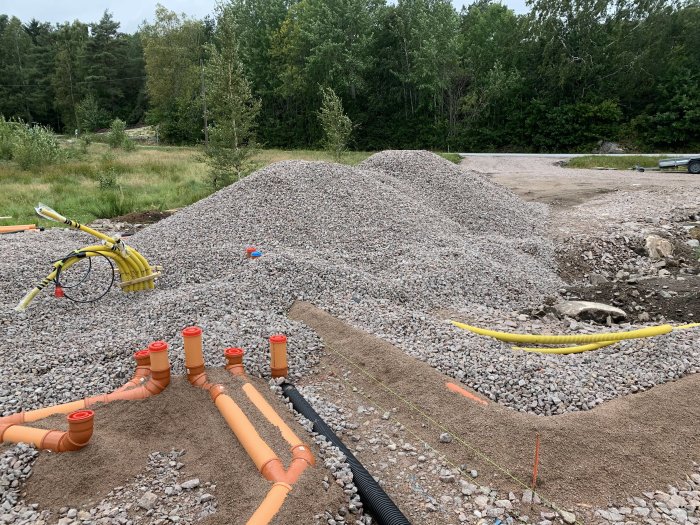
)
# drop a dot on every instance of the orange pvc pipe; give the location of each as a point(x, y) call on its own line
point(271, 415)
point(128, 391)
point(194, 359)
point(301, 454)
point(234, 361)
point(80, 427)
point(254, 445)
point(461, 391)
point(271, 505)
point(143, 370)
point(278, 355)
point(17, 228)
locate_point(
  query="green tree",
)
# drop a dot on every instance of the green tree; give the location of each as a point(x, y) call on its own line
point(336, 125)
point(232, 107)
point(69, 71)
point(106, 56)
point(90, 116)
point(173, 51)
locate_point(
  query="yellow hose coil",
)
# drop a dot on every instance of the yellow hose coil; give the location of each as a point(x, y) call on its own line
point(130, 263)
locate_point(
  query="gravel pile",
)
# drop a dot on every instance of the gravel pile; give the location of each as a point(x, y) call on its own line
point(331, 234)
point(394, 246)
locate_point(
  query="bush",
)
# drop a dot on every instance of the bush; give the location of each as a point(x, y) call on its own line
point(108, 179)
point(336, 125)
point(117, 137)
point(85, 141)
point(35, 146)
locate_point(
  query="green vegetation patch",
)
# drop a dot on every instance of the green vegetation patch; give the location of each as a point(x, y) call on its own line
point(617, 162)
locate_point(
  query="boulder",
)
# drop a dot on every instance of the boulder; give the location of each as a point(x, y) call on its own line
point(590, 311)
point(658, 247)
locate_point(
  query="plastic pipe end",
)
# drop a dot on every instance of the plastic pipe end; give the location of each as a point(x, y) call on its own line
point(158, 346)
point(278, 338)
point(192, 331)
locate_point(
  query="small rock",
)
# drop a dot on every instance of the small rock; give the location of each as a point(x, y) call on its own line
point(190, 484)
point(148, 500)
point(568, 517)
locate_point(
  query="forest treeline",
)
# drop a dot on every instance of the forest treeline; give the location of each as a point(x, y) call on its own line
point(411, 74)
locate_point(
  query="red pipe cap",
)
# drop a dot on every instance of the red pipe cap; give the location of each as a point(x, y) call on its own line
point(140, 354)
point(192, 331)
point(233, 352)
point(279, 338)
point(250, 249)
point(158, 346)
point(81, 415)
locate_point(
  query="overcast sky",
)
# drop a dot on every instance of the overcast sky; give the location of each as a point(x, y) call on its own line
point(130, 13)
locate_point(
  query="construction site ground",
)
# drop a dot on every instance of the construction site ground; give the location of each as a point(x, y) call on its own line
point(442, 457)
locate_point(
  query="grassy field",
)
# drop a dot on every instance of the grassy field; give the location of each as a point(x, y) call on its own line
point(614, 161)
point(103, 183)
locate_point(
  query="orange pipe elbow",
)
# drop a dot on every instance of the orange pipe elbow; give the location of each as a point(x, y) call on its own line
point(80, 427)
point(234, 361)
point(136, 390)
point(160, 379)
point(143, 370)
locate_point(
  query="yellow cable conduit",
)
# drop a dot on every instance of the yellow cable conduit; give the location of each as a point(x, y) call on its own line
point(134, 270)
point(584, 343)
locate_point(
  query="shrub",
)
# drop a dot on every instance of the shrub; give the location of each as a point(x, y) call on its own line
point(35, 146)
point(117, 137)
point(336, 125)
point(7, 138)
point(85, 141)
point(108, 179)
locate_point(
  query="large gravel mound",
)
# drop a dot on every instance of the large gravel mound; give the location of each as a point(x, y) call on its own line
point(331, 228)
point(393, 246)
point(467, 198)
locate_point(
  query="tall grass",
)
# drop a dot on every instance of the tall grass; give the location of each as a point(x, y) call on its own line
point(103, 182)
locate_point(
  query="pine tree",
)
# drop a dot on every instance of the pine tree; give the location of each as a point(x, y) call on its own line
point(231, 107)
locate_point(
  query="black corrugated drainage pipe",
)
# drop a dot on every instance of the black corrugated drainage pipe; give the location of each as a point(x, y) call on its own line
point(374, 500)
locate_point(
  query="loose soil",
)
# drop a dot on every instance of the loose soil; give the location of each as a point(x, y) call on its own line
point(637, 443)
point(667, 298)
point(143, 217)
point(541, 179)
point(182, 417)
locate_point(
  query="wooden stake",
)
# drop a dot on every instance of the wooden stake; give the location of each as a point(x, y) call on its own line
point(537, 462)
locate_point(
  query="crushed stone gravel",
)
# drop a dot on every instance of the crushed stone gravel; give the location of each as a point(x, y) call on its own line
point(394, 246)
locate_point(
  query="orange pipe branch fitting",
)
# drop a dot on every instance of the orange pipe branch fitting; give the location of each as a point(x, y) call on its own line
point(143, 370)
point(271, 505)
point(278, 355)
point(262, 455)
point(264, 458)
point(301, 455)
point(80, 425)
point(130, 390)
point(234, 361)
point(160, 379)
